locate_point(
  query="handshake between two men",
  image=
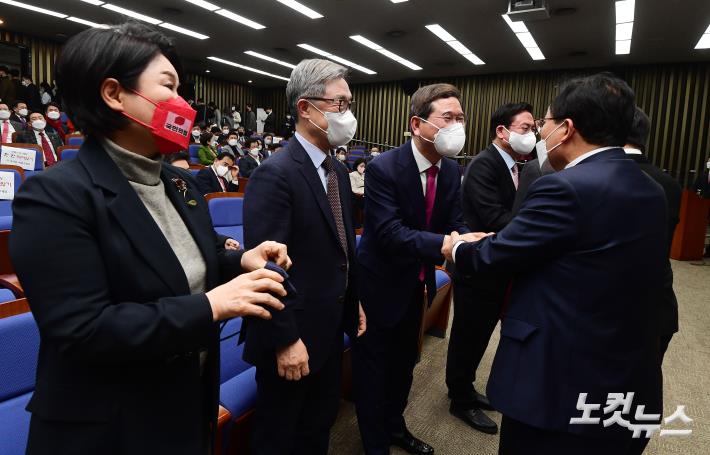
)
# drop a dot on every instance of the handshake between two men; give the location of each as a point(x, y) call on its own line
point(450, 242)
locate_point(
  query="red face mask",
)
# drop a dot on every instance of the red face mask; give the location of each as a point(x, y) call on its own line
point(171, 124)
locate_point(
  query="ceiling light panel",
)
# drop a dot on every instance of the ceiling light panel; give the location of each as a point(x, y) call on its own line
point(270, 59)
point(36, 9)
point(301, 8)
point(183, 30)
point(455, 44)
point(624, 25)
point(389, 54)
point(525, 38)
point(241, 19)
point(130, 13)
point(85, 22)
point(247, 68)
point(203, 4)
point(336, 58)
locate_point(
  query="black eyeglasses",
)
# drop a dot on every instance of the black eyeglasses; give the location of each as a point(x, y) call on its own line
point(539, 123)
point(343, 104)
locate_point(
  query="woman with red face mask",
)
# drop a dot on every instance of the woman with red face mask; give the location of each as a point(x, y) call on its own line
point(129, 298)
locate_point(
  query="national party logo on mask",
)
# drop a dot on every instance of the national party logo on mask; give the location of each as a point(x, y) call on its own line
point(177, 124)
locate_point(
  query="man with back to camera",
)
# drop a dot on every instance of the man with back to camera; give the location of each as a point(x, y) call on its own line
point(302, 197)
point(489, 188)
point(413, 199)
point(588, 253)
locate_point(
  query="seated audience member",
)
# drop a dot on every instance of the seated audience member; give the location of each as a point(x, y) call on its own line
point(208, 150)
point(49, 141)
point(7, 124)
point(374, 153)
point(242, 136)
point(222, 138)
point(196, 133)
point(55, 124)
point(45, 92)
point(251, 160)
point(342, 155)
point(267, 151)
point(179, 159)
point(357, 177)
point(20, 113)
point(232, 144)
point(220, 176)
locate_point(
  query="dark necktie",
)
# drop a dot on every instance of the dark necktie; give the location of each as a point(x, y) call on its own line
point(334, 201)
point(48, 155)
point(5, 132)
point(429, 198)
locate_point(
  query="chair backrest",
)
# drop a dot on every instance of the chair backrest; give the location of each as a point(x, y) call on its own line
point(192, 152)
point(39, 158)
point(75, 139)
point(67, 152)
point(5, 264)
point(231, 363)
point(6, 295)
point(19, 345)
point(226, 211)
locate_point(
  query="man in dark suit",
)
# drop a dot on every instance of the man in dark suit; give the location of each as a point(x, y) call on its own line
point(301, 197)
point(220, 176)
point(578, 326)
point(269, 121)
point(250, 119)
point(7, 124)
point(531, 172)
point(635, 148)
point(252, 160)
point(19, 114)
point(48, 141)
point(413, 200)
point(31, 94)
point(7, 88)
point(488, 192)
point(702, 183)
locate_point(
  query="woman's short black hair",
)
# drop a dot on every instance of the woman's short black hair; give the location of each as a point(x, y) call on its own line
point(205, 138)
point(52, 104)
point(250, 141)
point(601, 106)
point(340, 150)
point(121, 52)
point(358, 162)
point(505, 114)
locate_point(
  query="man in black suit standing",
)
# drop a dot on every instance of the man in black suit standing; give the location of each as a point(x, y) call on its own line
point(635, 148)
point(302, 198)
point(220, 176)
point(270, 121)
point(489, 188)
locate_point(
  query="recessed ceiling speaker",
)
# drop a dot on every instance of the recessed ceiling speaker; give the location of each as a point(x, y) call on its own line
point(528, 10)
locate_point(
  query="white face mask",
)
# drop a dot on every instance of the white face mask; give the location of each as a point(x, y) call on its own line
point(39, 125)
point(23, 112)
point(221, 170)
point(341, 127)
point(707, 165)
point(196, 133)
point(541, 147)
point(53, 115)
point(225, 131)
point(233, 142)
point(254, 152)
point(374, 154)
point(4, 114)
point(448, 141)
point(267, 141)
point(522, 144)
point(341, 157)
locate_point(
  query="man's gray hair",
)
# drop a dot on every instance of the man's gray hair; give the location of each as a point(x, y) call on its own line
point(309, 79)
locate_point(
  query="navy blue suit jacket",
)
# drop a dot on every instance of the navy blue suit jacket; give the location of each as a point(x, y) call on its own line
point(285, 201)
point(589, 252)
point(395, 242)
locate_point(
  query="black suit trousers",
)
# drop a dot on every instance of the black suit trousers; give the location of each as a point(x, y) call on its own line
point(384, 360)
point(294, 417)
point(476, 312)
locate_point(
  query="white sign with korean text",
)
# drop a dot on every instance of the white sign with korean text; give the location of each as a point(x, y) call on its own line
point(7, 186)
point(25, 158)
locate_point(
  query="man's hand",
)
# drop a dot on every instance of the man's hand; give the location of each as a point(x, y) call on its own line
point(256, 258)
point(235, 172)
point(292, 361)
point(448, 246)
point(362, 321)
point(231, 244)
point(247, 295)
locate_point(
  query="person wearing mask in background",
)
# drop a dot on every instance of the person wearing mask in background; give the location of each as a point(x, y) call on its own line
point(7, 88)
point(224, 133)
point(374, 153)
point(45, 93)
point(208, 150)
point(635, 148)
point(251, 160)
point(31, 94)
point(201, 109)
point(128, 303)
point(196, 133)
point(7, 124)
point(342, 156)
point(209, 112)
point(270, 121)
point(236, 117)
point(302, 198)
point(250, 119)
point(216, 134)
point(288, 126)
point(20, 113)
point(413, 202)
point(268, 146)
point(220, 176)
point(702, 183)
point(488, 192)
point(357, 177)
point(54, 122)
point(242, 136)
point(49, 142)
point(232, 145)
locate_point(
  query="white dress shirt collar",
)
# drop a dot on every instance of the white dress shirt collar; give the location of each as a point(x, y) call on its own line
point(584, 156)
point(317, 156)
point(509, 161)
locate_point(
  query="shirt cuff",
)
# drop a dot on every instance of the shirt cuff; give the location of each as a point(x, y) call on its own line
point(453, 252)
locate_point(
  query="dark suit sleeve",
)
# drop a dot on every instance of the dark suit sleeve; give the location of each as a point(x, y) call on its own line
point(382, 207)
point(456, 221)
point(545, 228)
point(59, 260)
point(267, 216)
point(481, 187)
point(531, 172)
point(204, 181)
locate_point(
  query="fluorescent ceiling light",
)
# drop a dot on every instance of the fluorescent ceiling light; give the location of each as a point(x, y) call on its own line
point(624, 31)
point(334, 57)
point(241, 19)
point(399, 1)
point(624, 11)
point(535, 53)
point(707, 32)
point(94, 2)
point(526, 39)
point(458, 46)
point(133, 14)
point(516, 27)
point(391, 55)
point(184, 31)
point(248, 68)
point(623, 47)
point(270, 59)
point(34, 8)
point(85, 22)
point(704, 42)
point(301, 8)
point(204, 4)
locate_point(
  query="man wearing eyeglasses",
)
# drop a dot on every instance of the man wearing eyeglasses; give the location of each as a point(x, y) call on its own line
point(489, 187)
point(413, 200)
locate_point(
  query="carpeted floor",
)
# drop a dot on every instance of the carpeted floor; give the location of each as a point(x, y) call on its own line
point(686, 372)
